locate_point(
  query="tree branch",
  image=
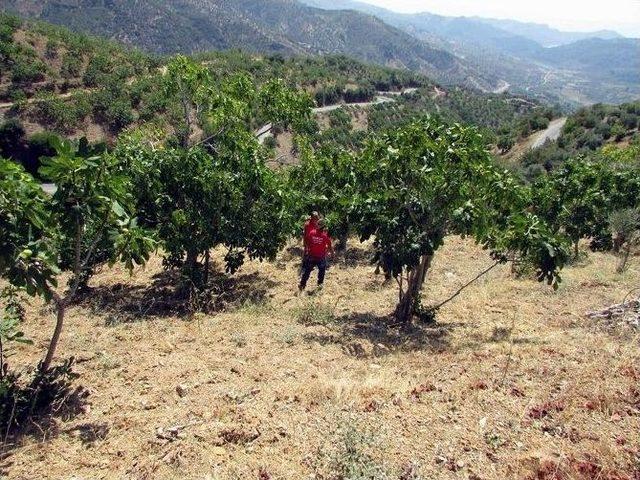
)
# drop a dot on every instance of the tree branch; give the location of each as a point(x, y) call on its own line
point(459, 291)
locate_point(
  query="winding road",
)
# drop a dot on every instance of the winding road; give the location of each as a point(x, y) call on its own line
point(551, 133)
point(264, 132)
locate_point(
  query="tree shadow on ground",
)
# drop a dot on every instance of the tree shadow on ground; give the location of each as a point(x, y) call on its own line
point(351, 257)
point(89, 433)
point(354, 256)
point(67, 403)
point(365, 335)
point(166, 296)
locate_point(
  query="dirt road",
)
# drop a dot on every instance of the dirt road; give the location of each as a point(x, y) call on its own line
point(264, 132)
point(551, 133)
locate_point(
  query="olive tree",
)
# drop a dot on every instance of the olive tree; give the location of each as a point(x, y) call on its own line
point(425, 181)
point(625, 232)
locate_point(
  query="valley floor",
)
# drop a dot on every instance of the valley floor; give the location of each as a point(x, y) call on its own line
point(511, 382)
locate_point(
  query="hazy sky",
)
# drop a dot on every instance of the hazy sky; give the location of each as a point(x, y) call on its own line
point(620, 15)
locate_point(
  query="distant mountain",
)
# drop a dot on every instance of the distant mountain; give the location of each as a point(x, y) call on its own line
point(617, 58)
point(484, 54)
point(545, 35)
point(530, 58)
point(265, 26)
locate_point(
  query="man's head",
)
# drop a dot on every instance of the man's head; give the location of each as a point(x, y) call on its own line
point(322, 224)
point(315, 216)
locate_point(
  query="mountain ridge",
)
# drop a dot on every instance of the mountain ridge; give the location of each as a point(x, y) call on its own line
point(569, 71)
point(266, 26)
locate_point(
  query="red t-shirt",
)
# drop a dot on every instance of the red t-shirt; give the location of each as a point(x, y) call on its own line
point(318, 242)
point(308, 226)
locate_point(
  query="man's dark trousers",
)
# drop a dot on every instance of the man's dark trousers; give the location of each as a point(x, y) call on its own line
point(308, 264)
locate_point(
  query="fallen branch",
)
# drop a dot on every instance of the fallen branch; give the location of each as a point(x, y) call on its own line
point(627, 312)
point(461, 289)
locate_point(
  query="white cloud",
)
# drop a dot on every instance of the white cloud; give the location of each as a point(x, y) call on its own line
point(579, 15)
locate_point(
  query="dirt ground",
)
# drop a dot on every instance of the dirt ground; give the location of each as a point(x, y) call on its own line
point(512, 382)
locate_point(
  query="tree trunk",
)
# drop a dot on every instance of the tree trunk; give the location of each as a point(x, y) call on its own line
point(622, 265)
point(191, 261)
point(60, 307)
point(406, 306)
point(576, 248)
point(207, 259)
point(342, 242)
point(61, 303)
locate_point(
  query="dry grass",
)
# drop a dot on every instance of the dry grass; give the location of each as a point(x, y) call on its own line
point(512, 382)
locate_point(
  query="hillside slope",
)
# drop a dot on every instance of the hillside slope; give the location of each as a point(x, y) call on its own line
point(585, 132)
point(512, 382)
point(269, 26)
point(54, 81)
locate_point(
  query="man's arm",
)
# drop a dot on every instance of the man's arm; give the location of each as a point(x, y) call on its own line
point(305, 241)
point(330, 245)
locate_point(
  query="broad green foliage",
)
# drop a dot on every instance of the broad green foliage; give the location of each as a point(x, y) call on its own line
point(628, 155)
point(86, 222)
point(286, 107)
point(425, 181)
point(11, 318)
point(224, 109)
point(578, 197)
point(198, 201)
point(217, 190)
point(27, 246)
point(327, 181)
point(93, 207)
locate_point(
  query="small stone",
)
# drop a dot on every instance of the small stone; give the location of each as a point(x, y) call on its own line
point(483, 422)
point(148, 406)
point(460, 464)
point(220, 451)
point(182, 390)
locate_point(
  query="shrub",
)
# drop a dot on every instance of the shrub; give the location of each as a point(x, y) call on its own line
point(340, 119)
point(505, 143)
point(28, 70)
point(270, 142)
point(11, 137)
point(119, 114)
point(349, 457)
point(629, 121)
point(625, 231)
point(71, 65)
point(56, 112)
point(51, 49)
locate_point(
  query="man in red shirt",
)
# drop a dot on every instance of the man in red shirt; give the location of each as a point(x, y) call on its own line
point(318, 245)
